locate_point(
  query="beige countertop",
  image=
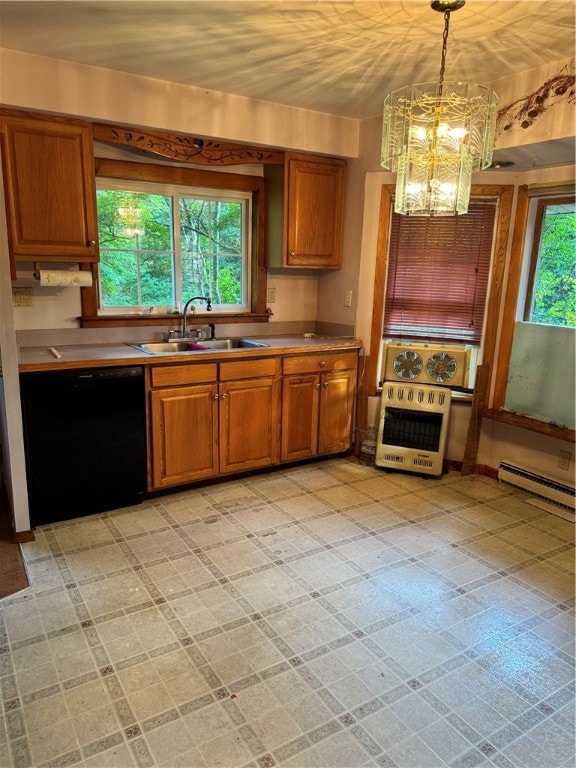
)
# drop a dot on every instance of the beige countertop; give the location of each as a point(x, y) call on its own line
point(43, 358)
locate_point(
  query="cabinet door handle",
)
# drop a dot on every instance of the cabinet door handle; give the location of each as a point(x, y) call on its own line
point(317, 386)
point(215, 396)
point(224, 395)
point(91, 242)
point(292, 253)
point(325, 385)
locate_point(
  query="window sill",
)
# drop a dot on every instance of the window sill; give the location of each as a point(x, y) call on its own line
point(525, 422)
point(119, 321)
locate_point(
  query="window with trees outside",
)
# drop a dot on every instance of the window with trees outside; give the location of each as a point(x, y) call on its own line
point(161, 244)
point(551, 289)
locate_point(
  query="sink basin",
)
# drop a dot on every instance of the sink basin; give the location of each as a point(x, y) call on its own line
point(191, 345)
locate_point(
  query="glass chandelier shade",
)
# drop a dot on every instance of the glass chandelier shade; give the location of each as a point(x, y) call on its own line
point(435, 135)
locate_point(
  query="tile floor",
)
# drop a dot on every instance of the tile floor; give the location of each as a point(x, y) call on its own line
point(326, 615)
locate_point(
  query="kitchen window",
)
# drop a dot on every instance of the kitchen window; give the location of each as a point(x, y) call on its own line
point(168, 233)
point(503, 196)
point(437, 275)
point(161, 244)
point(551, 287)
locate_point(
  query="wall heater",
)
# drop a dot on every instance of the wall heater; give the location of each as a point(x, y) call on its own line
point(548, 494)
point(412, 427)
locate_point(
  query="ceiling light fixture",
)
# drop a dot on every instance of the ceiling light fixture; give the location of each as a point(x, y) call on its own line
point(435, 135)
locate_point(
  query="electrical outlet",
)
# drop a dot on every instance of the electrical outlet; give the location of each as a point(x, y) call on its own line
point(21, 297)
point(564, 458)
point(271, 295)
point(348, 299)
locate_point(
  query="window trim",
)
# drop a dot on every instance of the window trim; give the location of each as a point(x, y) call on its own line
point(190, 177)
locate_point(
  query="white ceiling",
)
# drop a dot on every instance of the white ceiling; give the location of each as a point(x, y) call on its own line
point(339, 56)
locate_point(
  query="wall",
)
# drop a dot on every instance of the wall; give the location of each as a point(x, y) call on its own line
point(50, 85)
point(13, 461)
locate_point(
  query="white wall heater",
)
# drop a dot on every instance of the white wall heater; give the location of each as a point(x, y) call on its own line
point(547, 494)
point(412, 427)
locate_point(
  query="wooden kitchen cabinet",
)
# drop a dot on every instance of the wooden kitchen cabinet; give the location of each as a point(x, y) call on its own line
point(50, 189)
point(305, 202)
point(317, 404)
point(213, 419)
point(249, 414)
point(249, 418)
point(183, 424)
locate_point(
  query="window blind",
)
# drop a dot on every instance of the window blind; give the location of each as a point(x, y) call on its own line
point(438, 272)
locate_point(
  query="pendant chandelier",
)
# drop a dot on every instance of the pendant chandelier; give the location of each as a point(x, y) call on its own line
point(435, 135)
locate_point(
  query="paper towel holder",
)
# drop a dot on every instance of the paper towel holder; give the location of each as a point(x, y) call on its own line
point(38, 266)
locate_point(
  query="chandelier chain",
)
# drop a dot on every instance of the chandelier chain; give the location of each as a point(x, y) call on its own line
point(444, 50)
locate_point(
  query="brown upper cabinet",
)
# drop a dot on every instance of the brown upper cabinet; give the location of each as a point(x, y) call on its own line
point(305, 202)
point(50, 189)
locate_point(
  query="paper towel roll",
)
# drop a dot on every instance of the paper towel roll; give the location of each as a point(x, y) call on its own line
point(52, 278)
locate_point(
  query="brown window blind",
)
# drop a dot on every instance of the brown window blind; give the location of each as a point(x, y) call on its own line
point(438, 271)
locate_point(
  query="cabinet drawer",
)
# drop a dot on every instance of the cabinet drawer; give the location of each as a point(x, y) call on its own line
point(173, 375)
point(320, 362)
point(248, 369)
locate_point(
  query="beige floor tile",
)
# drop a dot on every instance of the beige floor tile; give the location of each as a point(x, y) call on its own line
point(311, 554)
point(150, 701)
point(169, 741)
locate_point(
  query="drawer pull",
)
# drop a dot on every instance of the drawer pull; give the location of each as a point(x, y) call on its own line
point(322, 363)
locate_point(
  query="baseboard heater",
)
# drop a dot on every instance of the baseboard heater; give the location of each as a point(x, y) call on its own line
point(548, 494)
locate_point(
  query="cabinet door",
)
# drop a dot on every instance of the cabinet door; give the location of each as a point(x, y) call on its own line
point(336, 410)
point(300, 402)
point(184, 434)
point(315, 198)
point(249, 421)
point(50, 190)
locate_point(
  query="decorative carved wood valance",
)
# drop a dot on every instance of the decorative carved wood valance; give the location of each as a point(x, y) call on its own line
point(184, 148)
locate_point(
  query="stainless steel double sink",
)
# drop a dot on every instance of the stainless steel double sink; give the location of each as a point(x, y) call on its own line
point(186, 346)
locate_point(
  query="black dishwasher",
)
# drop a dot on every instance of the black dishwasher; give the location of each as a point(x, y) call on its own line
point(85, 441)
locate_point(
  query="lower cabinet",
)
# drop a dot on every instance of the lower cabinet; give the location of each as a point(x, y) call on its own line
point(184, 434)
point(249, 416)
point(211, 419)
point(317, 404)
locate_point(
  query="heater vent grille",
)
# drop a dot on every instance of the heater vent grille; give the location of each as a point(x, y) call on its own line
point(392, 458)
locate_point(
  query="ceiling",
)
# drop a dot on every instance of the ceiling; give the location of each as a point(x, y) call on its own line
point(339, 57)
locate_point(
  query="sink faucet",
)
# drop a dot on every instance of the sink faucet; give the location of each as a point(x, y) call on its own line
point(187, 305)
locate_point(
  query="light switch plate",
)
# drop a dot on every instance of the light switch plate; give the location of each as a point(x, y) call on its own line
point(271, 295)
point(348, 299)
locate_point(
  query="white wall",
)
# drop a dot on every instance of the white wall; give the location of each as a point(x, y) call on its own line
point(13, 461)
point(50, 85)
